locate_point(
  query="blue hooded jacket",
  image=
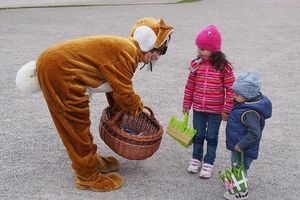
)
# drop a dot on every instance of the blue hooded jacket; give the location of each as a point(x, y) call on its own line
point(242, 118)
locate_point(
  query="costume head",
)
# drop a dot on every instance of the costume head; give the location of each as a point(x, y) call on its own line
point(248, 85)
point(209, 39)
point(152, 34)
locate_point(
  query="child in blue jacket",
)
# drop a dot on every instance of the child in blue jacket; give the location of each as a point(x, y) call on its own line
point(246, 122)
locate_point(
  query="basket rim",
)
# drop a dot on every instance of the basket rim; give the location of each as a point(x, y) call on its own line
point(135, 145)
point(156, 136)
point(141, 140)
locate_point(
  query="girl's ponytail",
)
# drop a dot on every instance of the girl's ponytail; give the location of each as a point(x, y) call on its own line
point(219, 61)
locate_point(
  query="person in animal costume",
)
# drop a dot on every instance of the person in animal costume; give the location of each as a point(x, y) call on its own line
point(67, 72)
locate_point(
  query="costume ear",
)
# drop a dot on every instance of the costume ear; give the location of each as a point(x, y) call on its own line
point(163, 33)
point(145, 37)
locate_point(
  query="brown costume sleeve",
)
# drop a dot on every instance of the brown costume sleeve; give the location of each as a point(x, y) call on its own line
point(123, 95)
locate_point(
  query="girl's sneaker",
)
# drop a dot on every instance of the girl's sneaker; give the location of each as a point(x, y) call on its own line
point(206, 171)
point(194, 166)
point(240, 195)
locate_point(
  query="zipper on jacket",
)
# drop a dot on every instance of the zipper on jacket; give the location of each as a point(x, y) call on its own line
point(204, 87)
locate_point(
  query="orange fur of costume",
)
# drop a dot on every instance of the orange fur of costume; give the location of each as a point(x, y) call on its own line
point(65, 71)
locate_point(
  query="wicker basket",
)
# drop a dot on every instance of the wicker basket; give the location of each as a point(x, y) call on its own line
point(139, 145)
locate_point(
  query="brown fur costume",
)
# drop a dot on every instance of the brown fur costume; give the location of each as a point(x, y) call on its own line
point(65, 71)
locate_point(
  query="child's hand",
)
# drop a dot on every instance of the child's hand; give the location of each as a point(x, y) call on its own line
point(237, 148)
point(185, 111)
point(224, 116)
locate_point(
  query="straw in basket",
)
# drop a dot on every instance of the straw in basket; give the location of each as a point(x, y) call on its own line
point(137, 138)
point(180, 131)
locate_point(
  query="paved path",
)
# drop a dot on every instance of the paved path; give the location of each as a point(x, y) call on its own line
point(260, 35)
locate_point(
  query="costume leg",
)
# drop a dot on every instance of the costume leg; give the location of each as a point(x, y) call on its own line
point(70, 112)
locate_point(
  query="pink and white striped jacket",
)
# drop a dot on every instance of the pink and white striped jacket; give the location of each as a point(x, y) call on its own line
point(209, 90)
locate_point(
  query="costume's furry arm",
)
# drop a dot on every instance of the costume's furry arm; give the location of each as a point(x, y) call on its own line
point(123, 92)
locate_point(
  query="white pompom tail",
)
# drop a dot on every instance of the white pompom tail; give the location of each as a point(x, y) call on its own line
point(26, 79)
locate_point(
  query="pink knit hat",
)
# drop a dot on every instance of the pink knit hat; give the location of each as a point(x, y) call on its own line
point(209, 39)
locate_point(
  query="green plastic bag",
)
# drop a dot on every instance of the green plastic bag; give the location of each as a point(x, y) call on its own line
point(235, 179)
point(180, 131)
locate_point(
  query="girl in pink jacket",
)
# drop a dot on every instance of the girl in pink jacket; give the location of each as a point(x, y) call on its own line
point(208, 91)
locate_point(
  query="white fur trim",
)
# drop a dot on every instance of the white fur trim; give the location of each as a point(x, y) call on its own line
point(105, 87)
point(145, 37)
point(26, 79)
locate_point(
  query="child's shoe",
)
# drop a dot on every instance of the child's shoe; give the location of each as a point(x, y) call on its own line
point(240, 195)
point(206, 171)
point(194, 166)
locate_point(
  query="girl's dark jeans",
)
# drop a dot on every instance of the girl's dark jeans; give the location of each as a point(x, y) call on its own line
point(207, 126)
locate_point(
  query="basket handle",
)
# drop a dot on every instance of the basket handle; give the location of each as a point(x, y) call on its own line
point(241, 158)
point(150, 111)
point(185, 119)
point(122, 112)
point(117, 116)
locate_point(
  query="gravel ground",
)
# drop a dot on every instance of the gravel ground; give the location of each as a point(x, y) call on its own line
point(260, 35)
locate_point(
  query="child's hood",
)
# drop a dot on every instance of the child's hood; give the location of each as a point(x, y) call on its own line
point(195, 64)
point(263, 105)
